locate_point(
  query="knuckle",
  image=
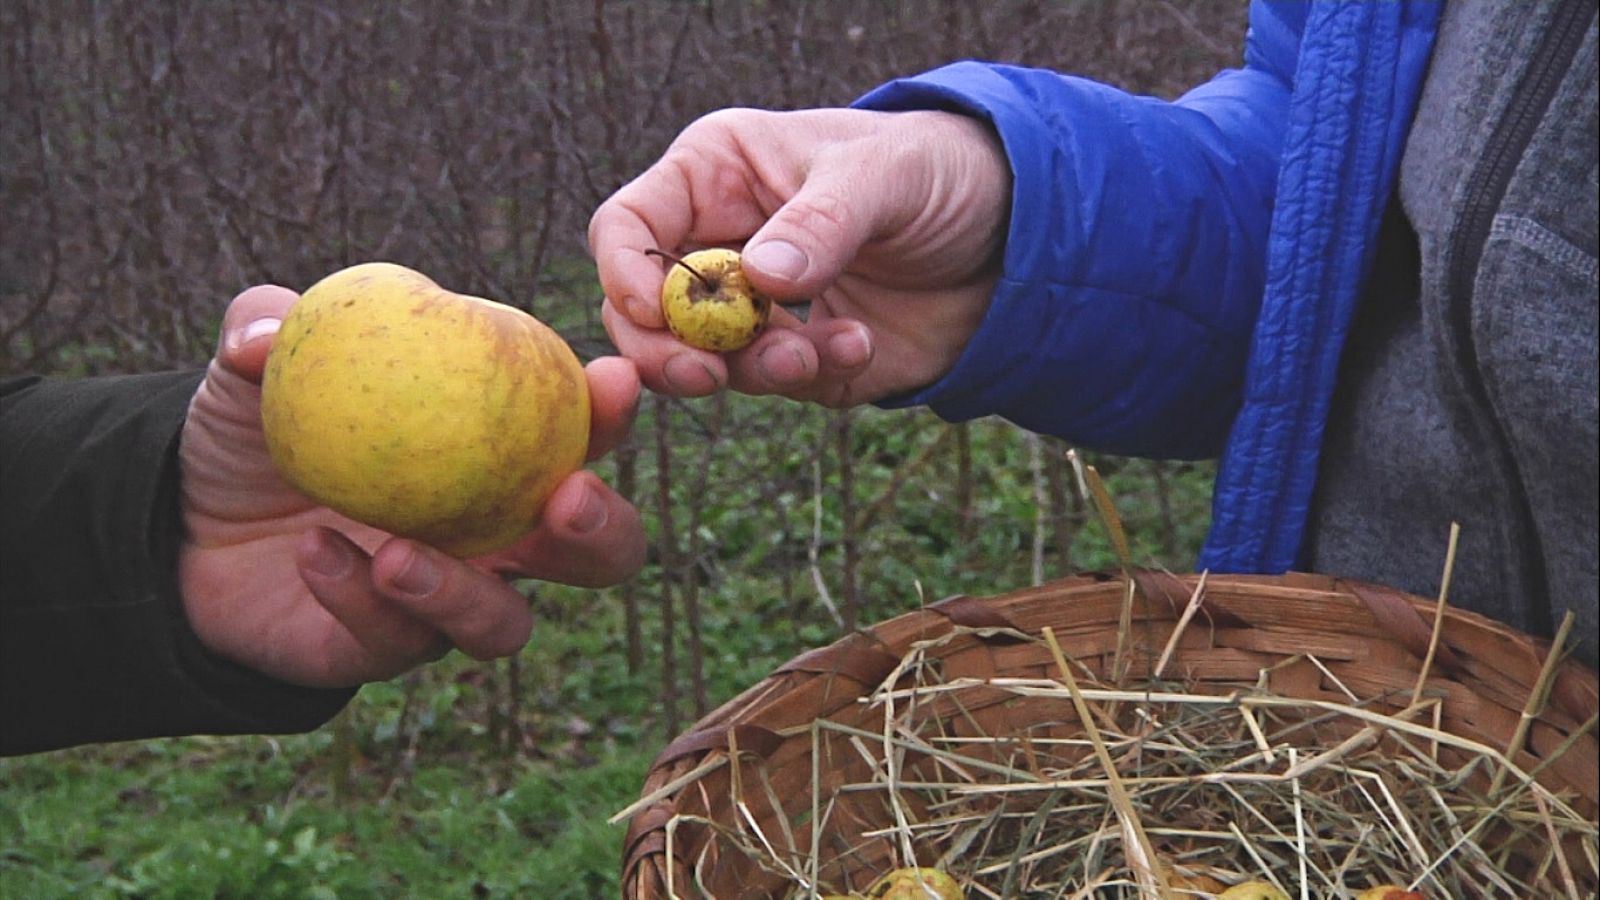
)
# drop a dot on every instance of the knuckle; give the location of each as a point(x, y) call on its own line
point(720, 123)
point(825, 219)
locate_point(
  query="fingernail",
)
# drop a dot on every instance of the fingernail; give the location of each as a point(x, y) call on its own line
point(688, 376)
point(781, 364)
point(419, 576)
point(329, 558)
point(777, 258)
point(251, 330)
point(849, 349)
point(591, 514)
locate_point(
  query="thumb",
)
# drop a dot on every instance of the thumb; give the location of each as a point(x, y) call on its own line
point(248, 327)
point(815, 236)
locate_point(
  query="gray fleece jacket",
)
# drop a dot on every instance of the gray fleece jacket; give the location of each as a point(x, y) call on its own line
point(1468, 390)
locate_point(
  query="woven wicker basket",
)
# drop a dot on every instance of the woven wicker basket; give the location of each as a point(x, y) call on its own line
point(1250, 633)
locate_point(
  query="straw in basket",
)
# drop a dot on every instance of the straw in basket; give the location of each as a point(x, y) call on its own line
point(1142, 734)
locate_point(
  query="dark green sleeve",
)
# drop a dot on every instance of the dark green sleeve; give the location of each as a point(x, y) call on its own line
point(94, 644)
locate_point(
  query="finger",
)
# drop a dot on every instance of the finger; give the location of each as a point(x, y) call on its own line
point(816, 234)
point(475, 610)
point(664, 364)
point(709, 187)
point(339, 576)
point(590, 536)
point(780, 361)
point(844, 347)
point(811, 361)
point(651, 212)
point(248, 327)
point(613, 402)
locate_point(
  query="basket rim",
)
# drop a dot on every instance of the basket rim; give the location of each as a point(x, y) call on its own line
point(859, 662)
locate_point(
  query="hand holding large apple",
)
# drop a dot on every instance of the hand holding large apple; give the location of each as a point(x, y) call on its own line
point(284, 585)
point(429, 414)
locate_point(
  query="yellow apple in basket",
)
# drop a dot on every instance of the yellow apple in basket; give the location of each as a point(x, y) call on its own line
point(1253, 890)
point(1389, 892)
point(915, 884)
point(426, 413)
point(1194, 885)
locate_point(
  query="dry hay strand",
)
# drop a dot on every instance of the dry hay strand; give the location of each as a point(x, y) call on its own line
point(1241, 728)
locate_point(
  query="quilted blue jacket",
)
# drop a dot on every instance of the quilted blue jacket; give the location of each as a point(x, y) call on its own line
point(1179, 276)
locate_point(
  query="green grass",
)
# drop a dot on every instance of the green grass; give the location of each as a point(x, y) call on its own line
point(253, 817)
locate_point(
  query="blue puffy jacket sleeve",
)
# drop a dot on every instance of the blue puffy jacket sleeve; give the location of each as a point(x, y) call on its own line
point(1136, 253)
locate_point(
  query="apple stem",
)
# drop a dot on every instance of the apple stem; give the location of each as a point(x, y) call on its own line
point(676, 260)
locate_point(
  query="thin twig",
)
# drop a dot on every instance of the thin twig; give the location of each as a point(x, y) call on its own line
point(1189, 611)
point(1438, 613)
point(1536, 699)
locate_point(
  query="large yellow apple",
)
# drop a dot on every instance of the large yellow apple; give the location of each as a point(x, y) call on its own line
point(426, 413)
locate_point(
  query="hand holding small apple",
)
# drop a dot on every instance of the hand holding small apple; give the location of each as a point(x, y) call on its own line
point(280, 584)
point(887, 223)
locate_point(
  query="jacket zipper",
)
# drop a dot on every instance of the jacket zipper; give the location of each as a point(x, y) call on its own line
point(1485, 191)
